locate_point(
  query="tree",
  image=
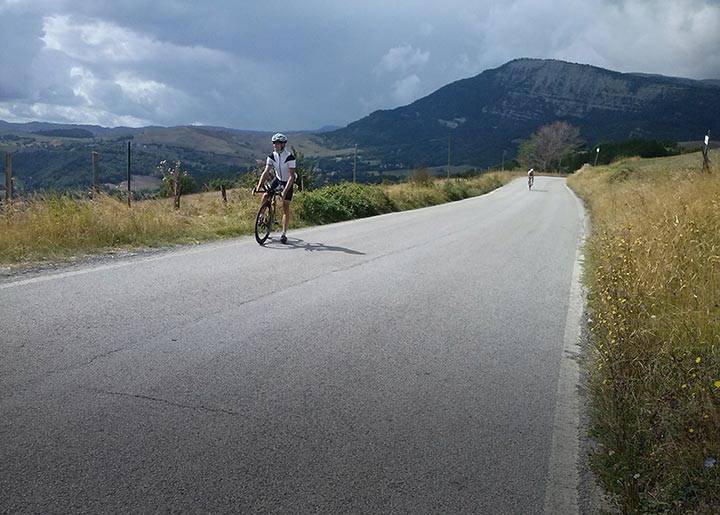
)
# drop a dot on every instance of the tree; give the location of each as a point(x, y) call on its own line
point(548, 145)
point(175, 181)
point(304, 171)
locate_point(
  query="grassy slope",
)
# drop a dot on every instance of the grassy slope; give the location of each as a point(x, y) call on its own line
point(654, 298)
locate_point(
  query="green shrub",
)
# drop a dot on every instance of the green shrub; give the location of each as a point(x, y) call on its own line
point(456, 189)
point(344, 202)
point(421, 177)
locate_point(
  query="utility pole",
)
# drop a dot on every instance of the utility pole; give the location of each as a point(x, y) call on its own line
point(8, 178)
point(129, 191)
point(449, 143)
point(355, 163)
point(503, 160)
point(96, 186)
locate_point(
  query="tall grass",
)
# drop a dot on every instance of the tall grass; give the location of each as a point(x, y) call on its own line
point(654, 298)
point(59, 227)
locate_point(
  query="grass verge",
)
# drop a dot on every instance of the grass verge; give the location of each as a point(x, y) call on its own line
point(653, 273)
point(59, 228)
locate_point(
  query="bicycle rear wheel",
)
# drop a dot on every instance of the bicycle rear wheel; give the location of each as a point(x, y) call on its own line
point(263, 223)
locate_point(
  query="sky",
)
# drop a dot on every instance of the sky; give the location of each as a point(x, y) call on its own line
point(304, 64)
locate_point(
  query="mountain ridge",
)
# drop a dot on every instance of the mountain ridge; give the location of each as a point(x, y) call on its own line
point(492, 111)
point(479, 120)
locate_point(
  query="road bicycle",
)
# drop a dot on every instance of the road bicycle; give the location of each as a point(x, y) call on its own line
point(266, 217)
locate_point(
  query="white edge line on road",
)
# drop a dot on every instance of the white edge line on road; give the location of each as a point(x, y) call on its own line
point(126, 261)
point(563, 481)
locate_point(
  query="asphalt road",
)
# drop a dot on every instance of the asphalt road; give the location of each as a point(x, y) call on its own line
point(408, 362)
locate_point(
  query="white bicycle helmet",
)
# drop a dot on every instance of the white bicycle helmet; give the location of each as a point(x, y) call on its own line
point(279, 138)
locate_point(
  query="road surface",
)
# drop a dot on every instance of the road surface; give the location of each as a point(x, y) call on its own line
point(410, 362)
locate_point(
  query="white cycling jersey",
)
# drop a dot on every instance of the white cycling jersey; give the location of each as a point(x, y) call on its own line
point(281, 163)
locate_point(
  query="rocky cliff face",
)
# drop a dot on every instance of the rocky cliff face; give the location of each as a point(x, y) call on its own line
point(577, 90)
point(490, 112)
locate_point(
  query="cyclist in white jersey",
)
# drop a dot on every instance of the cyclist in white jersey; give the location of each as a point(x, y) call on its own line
point(283, 162)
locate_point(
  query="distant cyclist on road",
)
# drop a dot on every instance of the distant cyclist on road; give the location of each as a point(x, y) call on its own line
point(531, 177)
point(283, 162)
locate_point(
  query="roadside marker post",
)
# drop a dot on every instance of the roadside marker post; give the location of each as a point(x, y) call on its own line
point(706, 159)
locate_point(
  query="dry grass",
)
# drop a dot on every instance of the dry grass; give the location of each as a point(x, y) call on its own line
point(654, 279)
point(59, 228)
point(411, 195)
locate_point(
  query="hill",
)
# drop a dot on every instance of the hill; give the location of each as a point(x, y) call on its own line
point(489, 113)
point(57, 156)
point(483, 118)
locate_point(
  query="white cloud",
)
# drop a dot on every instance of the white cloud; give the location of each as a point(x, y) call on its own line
point(669, 37)
point(21, 113)
point(406, 90)
point(402, 59)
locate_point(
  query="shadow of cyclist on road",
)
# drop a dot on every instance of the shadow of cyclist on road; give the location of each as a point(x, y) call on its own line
point(297, 243)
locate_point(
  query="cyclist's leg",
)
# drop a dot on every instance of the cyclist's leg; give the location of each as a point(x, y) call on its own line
point(286, 211)
point(286, 215)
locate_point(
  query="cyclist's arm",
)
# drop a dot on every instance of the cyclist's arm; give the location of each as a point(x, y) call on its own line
point(262, 177)
point(291, 181)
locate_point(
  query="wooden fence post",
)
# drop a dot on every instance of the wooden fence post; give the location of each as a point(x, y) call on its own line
point(96, 186)
point(8, 177)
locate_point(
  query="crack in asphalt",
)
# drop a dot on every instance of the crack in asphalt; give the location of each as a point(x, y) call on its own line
point(84, 363)
point(168, 402)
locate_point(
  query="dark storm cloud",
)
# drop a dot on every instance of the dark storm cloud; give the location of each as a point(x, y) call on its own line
point(293, 65)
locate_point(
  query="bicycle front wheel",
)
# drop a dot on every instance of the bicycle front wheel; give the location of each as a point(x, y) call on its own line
point(263, 223)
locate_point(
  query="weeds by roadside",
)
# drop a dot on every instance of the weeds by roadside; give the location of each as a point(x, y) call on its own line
point(653, 272)
point(54, 228)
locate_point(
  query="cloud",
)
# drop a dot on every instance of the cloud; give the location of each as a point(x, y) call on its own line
point(406, 90)
point(669, 37)
point(402, 59)
point(173, 62)
point(88, 65)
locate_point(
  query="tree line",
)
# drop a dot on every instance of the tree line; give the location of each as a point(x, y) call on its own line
point(558, 147)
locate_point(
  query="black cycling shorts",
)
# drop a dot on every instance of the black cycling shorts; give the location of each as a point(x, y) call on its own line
point(280, 186)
